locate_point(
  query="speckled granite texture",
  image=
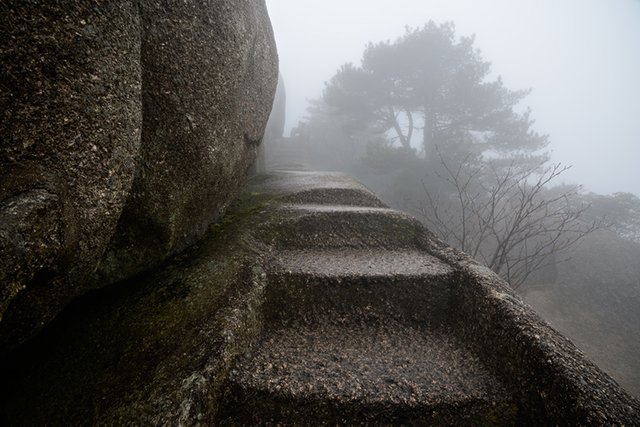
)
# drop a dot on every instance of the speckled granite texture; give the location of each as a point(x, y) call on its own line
point(70, 128)
point(209, 69)
point(126, 128)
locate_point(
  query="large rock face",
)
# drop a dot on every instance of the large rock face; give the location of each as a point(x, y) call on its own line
point(70, 129)
point(126, 129)
point(209, 75)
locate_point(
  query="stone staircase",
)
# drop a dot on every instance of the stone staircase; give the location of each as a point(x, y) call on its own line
point(357, 324)
point(310, 303)
point(368, 319)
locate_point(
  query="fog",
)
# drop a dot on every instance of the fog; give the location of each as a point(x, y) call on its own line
point(581, 58)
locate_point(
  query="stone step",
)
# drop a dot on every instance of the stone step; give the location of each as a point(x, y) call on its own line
point(357, 284)
point(369, 263)
point(300, 187)
point(378, 373)
point(311, 226)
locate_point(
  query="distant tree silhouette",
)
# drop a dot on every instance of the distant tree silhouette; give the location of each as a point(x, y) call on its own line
point(429, 81)
point(489, 191)
point(620, 211)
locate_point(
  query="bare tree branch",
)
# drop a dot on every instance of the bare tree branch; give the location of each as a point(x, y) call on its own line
point(506, 216)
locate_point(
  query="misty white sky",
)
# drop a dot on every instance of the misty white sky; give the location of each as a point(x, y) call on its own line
point(580, 57)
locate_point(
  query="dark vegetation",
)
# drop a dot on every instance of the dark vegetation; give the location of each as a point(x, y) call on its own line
point(424, 123)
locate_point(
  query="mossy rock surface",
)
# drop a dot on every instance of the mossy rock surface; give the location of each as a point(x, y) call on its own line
point(153, 349)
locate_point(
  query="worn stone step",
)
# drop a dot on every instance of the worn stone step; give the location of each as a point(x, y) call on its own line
point(359, 263)
point(376, 373)
point(299, 187)
point(363, 284)
point(311, 226)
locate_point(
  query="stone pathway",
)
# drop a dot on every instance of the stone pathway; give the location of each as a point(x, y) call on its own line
point(311, 303)
point(356, 322)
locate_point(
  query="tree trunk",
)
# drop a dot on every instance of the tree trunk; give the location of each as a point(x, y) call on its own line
point(428, 136)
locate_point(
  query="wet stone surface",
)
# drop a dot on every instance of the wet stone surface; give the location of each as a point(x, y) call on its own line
point(345, 227)
point(374, 363)
point(366, 262)
point(385, 365)
point(290, 182)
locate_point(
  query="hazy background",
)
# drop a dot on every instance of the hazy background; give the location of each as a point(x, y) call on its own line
point(580, 57)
